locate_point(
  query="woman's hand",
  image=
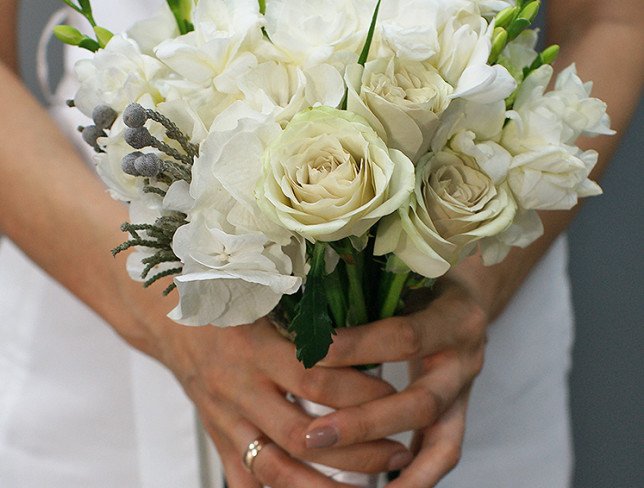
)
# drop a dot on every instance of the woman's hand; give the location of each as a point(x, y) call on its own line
point(444, 343)
point(238, 378)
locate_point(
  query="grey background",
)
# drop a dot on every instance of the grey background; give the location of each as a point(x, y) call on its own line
point(606, 268)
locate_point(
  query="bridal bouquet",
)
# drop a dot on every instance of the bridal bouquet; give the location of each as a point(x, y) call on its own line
point(314, 161)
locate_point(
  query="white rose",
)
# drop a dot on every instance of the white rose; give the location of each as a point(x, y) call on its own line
point(452, 36)
point(401, 100)
point(329, 176)
point(117, 76)
point(311, 33)
point(455, 205)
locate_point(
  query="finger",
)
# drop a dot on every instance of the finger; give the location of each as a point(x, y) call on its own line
point(440, 451)
point(236, 475)
point(451, 321)
point(336, 388)
point(414, 408)
point(272, 466)
point(286, 424)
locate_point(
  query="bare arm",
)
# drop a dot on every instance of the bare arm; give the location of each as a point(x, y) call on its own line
point(57, 211)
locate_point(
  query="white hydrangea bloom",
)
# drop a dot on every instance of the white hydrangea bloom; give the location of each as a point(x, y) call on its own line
point(237, 264)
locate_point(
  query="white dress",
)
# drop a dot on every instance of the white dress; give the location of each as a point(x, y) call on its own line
point(80, 409)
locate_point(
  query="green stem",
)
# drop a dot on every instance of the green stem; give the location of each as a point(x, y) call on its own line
point(392, 295)
point(356, 293)
point(336, 298)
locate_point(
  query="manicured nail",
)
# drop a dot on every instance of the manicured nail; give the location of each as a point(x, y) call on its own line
point(321, 437)
point(399, 460)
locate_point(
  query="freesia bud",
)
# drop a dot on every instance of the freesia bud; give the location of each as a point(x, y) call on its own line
point(505, 16)
point(68, 34)
point(530, 11)
point(499, 41)
point(549, 54)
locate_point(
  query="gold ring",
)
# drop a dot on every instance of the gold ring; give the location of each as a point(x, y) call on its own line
point(253, 450)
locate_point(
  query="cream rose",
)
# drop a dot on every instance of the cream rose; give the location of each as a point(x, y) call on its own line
point(455, 205)
point(329, 176)
point(401, 100)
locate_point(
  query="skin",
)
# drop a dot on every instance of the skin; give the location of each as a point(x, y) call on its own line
point(237, 377)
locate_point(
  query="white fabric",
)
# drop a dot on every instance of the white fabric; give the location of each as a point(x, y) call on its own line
point(79, 409)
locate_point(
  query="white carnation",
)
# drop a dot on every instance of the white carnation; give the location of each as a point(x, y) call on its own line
point(117, 76)
point(311, 33)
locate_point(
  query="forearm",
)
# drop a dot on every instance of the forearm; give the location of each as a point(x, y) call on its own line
point(59, 213)
point(608, 51)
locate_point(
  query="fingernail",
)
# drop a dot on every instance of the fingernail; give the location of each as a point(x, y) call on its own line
point(399, 460)
point(321, 437)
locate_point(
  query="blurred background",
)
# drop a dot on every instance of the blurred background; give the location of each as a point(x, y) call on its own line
point(607, 270)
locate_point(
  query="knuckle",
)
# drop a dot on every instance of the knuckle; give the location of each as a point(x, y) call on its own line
point(473, 326)
point(478, 361)
point(294, 437)
point(429, 404)
point(315, 384)
point(276, 474)
point(452, 455)
point(409, 338)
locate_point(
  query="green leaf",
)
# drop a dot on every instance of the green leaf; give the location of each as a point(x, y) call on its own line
point(312, 325)
point(367, 45)
point(262, 7)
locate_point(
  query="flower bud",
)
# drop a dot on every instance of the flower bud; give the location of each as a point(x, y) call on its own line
point(91, 133)
point(499, 41)
point(104, 116)
point(530, 11)
point(505, 16)
point(148, 165)
point(138, 137)
point(135, 115)
point(68, 34)
point(127, 163)
point(549, 54)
